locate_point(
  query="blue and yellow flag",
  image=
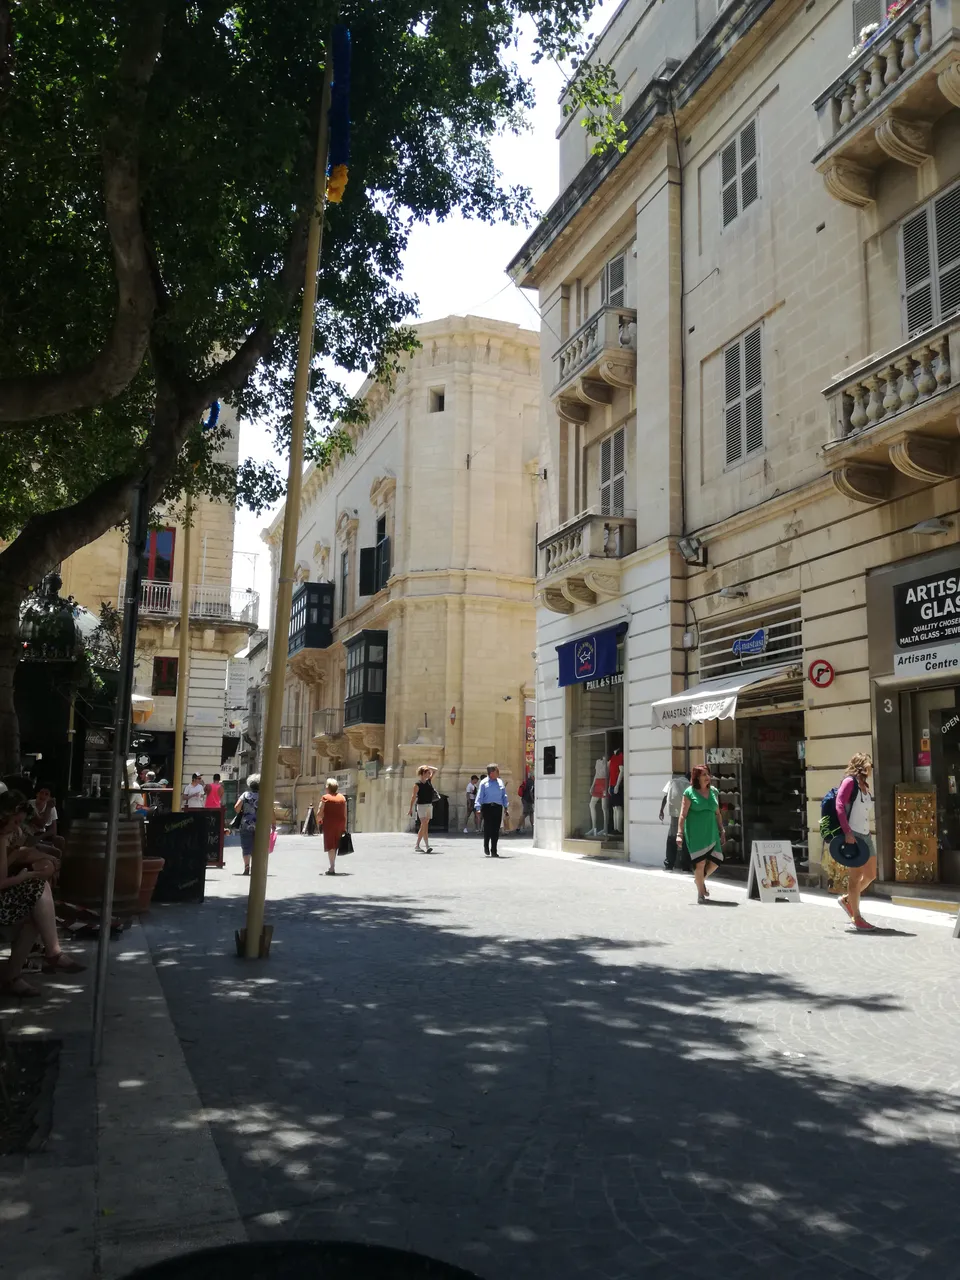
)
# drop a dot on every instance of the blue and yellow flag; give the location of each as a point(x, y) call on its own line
point(339, 153)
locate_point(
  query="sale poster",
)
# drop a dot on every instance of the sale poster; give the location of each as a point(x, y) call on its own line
point(773, 872)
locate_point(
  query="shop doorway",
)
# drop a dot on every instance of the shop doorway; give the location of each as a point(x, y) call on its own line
point(774, 801)
point(930, 744)
point(596, 762)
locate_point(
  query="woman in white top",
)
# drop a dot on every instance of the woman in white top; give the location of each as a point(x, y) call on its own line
point(854, 813)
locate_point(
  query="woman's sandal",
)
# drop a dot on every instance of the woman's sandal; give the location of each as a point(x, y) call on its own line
point(18, 987)
point(62, 963)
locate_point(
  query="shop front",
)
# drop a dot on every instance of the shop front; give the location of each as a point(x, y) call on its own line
point(591, 671)
point(913, 614)
point(746, 723)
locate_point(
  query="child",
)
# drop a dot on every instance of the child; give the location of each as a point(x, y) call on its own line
point(273, 836)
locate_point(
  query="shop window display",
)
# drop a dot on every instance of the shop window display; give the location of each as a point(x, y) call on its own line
point(596, 779)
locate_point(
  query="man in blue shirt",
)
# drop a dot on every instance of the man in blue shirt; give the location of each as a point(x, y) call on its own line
point(491, 803)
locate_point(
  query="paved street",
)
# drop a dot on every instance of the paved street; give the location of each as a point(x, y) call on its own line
point(539, 1067)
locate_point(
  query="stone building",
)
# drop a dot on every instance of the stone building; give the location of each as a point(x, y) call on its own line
point(413, 621)
point(221, 621)
point(748, 533)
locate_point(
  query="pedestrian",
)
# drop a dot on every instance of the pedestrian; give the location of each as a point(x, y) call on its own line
point(526, 801)
point(471, 801)
point(214, 793)
point(423, 796)
point(491, 804)
point(701, 823)
point(272, 842)
point(853, 846)
point(247, 806)
point(194, 796)
point(333, 821)
point(672, 801)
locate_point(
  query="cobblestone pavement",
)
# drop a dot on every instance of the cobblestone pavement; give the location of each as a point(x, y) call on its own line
point(541, 1068)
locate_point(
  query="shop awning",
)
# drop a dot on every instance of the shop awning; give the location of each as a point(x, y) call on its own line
point(590, 657)
point(141, 708)
point(712, 700)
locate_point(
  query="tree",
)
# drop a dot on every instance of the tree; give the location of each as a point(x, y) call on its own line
point(155, 191)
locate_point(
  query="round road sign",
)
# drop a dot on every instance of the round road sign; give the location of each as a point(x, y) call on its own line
point(821, 673)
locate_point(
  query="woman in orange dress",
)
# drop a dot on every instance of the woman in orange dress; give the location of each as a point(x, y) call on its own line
point(333, 819)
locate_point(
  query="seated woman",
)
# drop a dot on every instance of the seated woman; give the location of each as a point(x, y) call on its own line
point(41, 823)
point(26, 904)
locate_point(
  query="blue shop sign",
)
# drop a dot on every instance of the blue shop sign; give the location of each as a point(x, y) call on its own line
point(750, 646)
point(591, 657)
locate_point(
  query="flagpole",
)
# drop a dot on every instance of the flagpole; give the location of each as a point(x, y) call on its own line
point(256, 900)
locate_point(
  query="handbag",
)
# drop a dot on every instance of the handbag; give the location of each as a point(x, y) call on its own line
point(237, 819)
point(345, 845)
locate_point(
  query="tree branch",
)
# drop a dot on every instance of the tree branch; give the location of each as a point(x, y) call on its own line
point(43, 395)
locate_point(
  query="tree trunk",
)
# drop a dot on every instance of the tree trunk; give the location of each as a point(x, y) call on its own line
point(9, 657)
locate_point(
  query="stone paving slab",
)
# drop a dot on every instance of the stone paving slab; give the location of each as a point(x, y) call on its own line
point(540, 1067)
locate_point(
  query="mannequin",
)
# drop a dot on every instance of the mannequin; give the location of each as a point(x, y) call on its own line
point(598, 794)
point(616, 788)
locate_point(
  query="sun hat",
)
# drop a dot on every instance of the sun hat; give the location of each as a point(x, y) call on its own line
point(849, 855)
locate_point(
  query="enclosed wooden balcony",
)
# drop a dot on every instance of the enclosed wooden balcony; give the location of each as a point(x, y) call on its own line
point(599, 357)
point(890, 95)
point(895, 416)
point(579, 563)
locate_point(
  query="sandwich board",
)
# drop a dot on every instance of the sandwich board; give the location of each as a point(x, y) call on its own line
point(773, 872)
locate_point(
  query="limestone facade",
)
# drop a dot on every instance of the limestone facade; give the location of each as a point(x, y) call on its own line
point(761, 294)
point(221, 620)
point(439, 497)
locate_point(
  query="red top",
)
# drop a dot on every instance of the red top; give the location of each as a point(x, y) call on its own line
point(333, 817)
point(214, 796)
point(616, 764)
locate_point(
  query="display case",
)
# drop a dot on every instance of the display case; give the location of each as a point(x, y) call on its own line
point(726, 766)
point(915, 836)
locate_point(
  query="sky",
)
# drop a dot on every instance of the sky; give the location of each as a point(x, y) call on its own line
point(457, 267)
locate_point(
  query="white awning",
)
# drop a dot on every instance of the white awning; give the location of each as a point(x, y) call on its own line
point(712, 700)
point(141, 708)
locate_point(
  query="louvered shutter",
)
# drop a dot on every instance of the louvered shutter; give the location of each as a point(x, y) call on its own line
point(917, 297)
point(732, 413)
point(728, 183)
point(865, 12)
point(946, 221)
point(368, 571)
point(753, 390)
point(619, 473)
point(614, 278)
point(749, 181)
point(606, 450)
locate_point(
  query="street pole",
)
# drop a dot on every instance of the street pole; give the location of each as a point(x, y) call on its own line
point(139, 513)
point(183, 662)
point(291, 518)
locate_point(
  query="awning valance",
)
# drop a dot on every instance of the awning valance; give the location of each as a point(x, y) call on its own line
point(590, 657)
point(141, 708)
point(712, 700)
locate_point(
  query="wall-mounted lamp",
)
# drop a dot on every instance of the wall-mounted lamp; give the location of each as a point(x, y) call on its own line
point(936, 525)
point(733, 593)
point(693, 551)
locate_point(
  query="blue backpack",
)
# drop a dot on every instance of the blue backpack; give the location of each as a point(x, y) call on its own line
point(829, 822)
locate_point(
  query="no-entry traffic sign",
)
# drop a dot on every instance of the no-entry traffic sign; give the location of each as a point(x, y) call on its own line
point(821, 673)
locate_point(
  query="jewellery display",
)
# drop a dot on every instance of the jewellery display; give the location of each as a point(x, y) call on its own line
point(915, 855)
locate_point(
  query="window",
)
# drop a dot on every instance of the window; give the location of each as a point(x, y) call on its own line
point(344, 581)
point(743, 396)
point(364, 700)
point(866, 12)
point(739, 173)
point(165, 677)
point(437, 399)
point(930, 263)
point(613, 290)
point(613, 474)
point(156, 563)
point(375, 562)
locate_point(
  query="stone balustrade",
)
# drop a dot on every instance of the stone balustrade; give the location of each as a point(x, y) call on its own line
point(601, 355)
point(906, 377)
point(579, 561)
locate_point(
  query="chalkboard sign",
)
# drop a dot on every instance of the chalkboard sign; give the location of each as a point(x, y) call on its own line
point(183, 841)
point(214, 837)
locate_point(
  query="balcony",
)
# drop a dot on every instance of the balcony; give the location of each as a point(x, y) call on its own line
point(212, 604)
point(601, 356)
point(895, 416)
point(579, 562)
point(290, 751)
point(885, 104)
point(328, 737)
point(310, 634)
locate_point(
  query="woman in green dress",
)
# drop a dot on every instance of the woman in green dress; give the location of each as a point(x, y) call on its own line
point(700, 818)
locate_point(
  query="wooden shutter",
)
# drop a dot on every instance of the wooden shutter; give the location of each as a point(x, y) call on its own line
point(614, 289)
point(753, 390)
point(733, 417)
point(383, 562)
point(946, 222)
point(916, 271)
point(619, 473)
point(606, 456)
point(729, 199)
point(865, 12)
point(749, 163)
point(368, 571)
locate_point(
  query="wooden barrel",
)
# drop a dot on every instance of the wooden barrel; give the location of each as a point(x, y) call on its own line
point(81, 872)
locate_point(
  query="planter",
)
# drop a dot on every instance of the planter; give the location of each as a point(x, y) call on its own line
point(81, 872)
point(148, 882)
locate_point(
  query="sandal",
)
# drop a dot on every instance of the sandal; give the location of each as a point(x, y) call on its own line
point(62, 963)
point(18, 987)
point(331, 872)
point(846, 905)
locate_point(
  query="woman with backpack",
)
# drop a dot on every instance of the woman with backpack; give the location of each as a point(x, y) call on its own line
point(853, 845)
point(246, 806)
point(701, 820)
